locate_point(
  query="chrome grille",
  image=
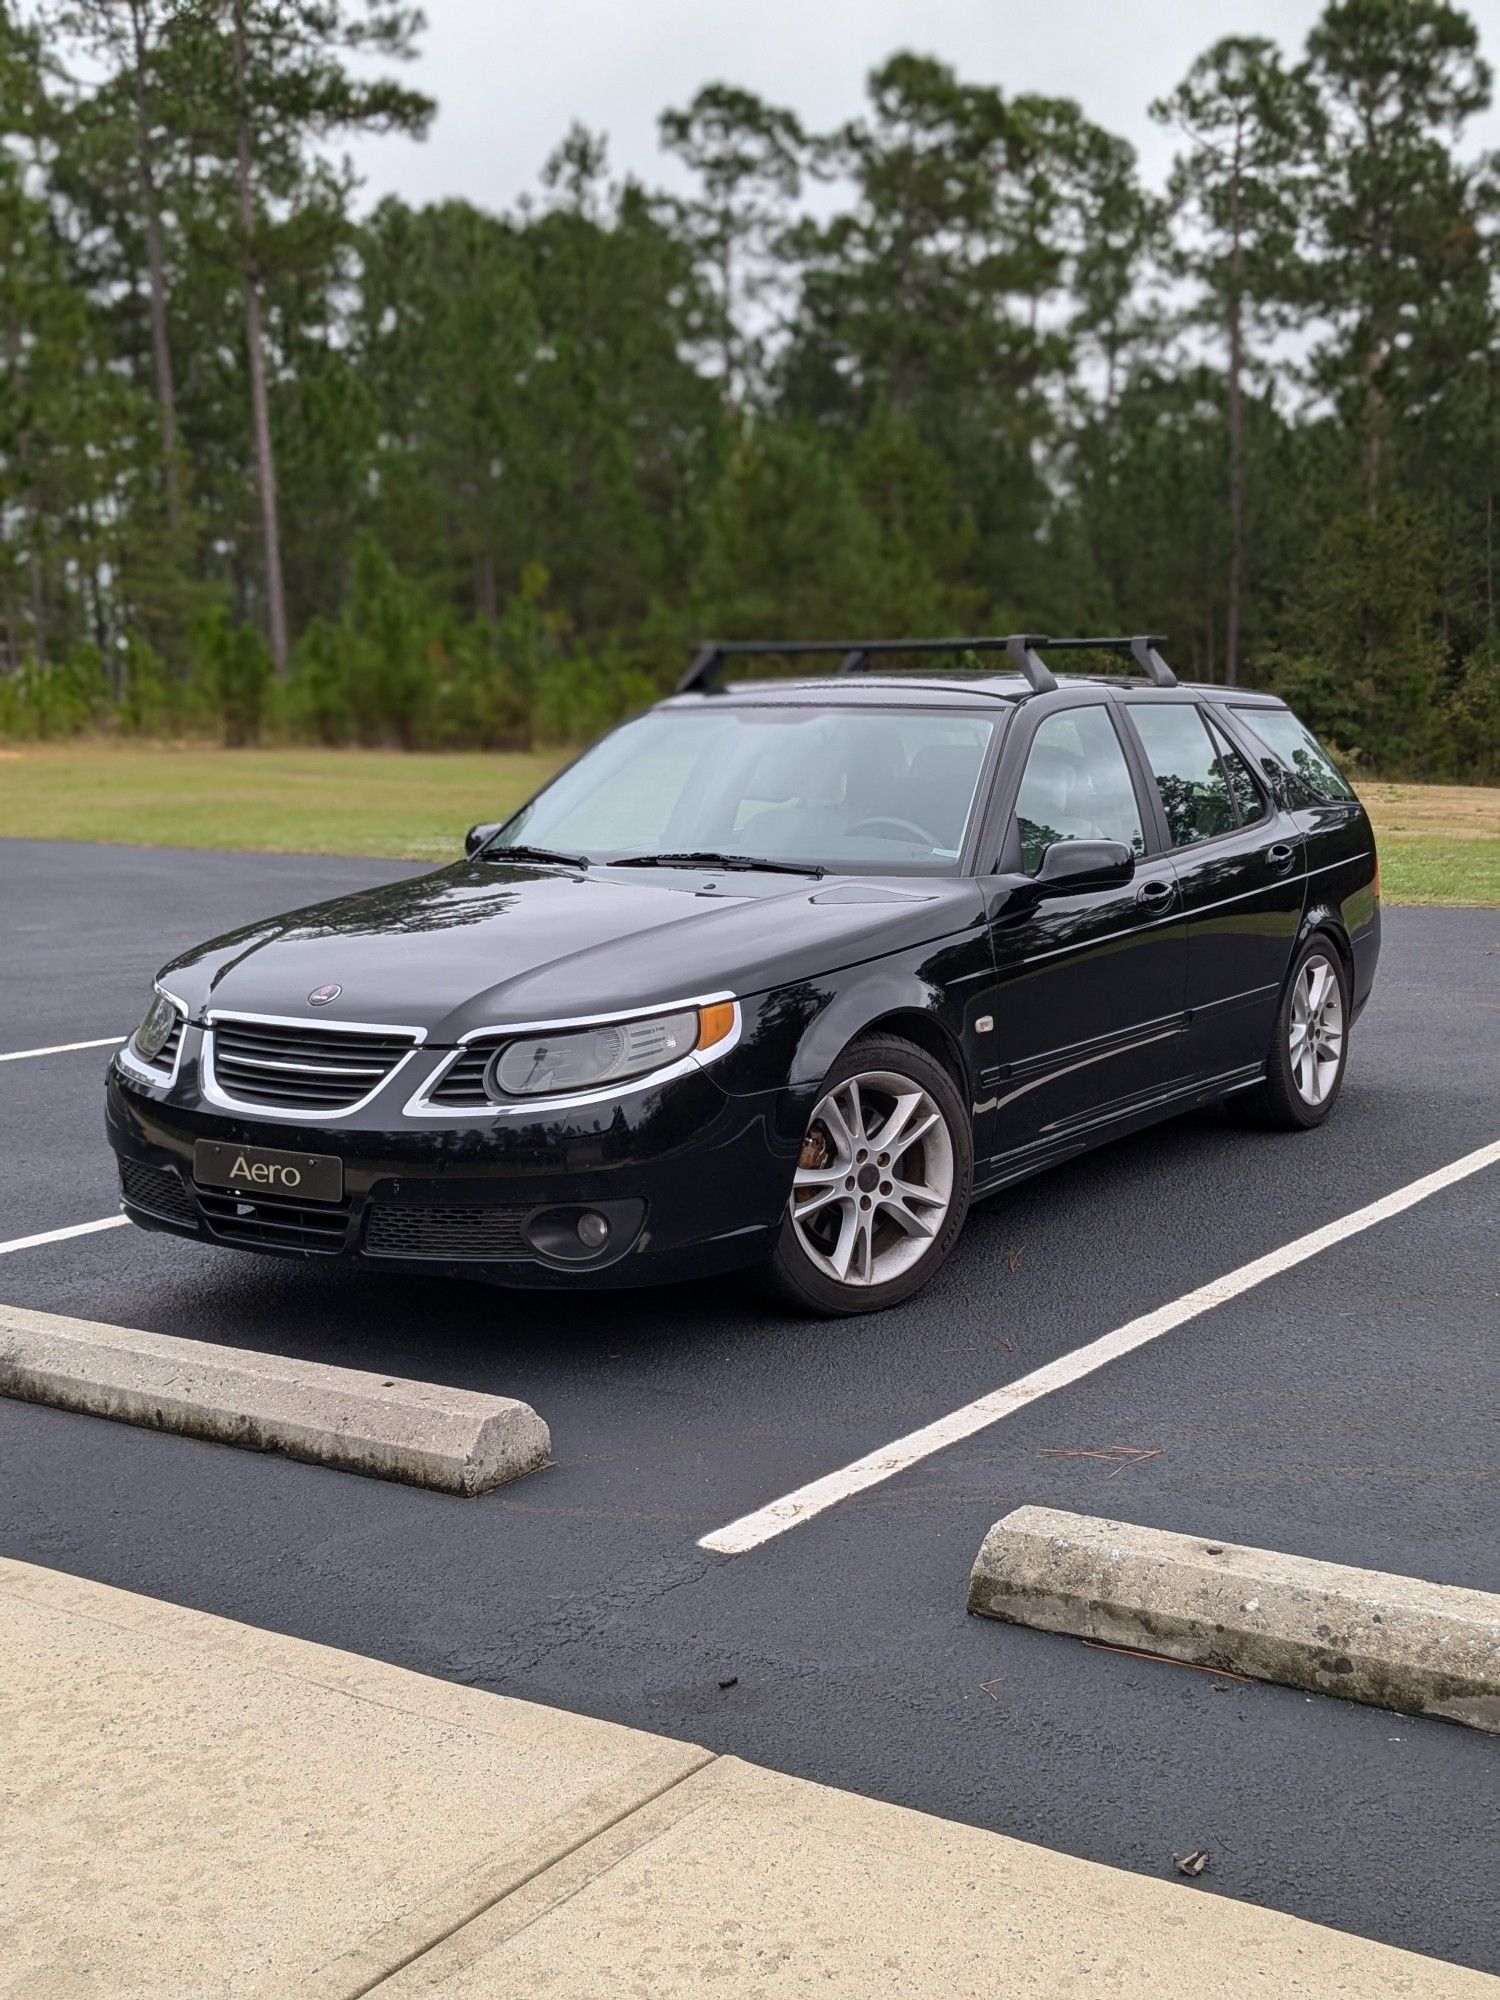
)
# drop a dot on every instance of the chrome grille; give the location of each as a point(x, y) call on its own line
point(395, 1230)
point(159, 1191)
point(462, 1084)
point(310, 1068)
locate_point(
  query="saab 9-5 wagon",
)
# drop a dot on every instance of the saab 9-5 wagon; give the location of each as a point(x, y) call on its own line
point(782, 974)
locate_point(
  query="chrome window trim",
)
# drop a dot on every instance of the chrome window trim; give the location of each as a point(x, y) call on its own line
point(297, 1114)
point(420, 1106)
point(137, 1066)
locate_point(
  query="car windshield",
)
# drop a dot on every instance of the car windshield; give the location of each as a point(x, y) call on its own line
point(836, 788)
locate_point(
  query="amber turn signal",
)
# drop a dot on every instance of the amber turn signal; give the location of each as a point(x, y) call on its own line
point(714, 1023)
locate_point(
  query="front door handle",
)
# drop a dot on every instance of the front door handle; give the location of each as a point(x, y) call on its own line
point(1280, 857)
point(1156, 895)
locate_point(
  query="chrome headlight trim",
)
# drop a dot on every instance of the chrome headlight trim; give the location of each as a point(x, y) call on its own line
point(137, 1066)
point(420, 1105)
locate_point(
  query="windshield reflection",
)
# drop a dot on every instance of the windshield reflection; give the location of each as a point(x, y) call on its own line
point(835, 788)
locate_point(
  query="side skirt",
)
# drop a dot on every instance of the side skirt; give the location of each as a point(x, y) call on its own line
point(1035, 1159)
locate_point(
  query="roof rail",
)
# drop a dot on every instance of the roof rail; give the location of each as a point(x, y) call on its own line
point(1023, 649)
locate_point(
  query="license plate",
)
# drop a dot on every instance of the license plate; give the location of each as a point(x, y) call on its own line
point(260, 1170)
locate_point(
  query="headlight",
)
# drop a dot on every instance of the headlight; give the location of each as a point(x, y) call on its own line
point(155, 1031)
point(548, 1065)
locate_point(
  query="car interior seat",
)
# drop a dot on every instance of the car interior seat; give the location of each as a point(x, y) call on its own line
point(938, 790)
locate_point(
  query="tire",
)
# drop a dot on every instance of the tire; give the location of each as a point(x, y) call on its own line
point(1303, 1076)
point(889, 1230)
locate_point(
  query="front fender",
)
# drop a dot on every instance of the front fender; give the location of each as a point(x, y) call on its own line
point(794, 1034)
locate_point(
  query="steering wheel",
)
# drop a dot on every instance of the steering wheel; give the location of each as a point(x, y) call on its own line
point(902, 826)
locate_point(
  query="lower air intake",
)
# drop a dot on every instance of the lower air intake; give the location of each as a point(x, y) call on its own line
point(159, 1191)
point(270, 1222)
point(481, 1234)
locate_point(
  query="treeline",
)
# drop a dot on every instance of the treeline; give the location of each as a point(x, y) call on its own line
point(274, 464)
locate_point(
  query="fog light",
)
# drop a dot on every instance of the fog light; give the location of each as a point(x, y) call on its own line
point(570, 1235)
point(593, 1230)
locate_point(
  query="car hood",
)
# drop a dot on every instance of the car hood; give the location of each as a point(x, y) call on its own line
point(481, 943)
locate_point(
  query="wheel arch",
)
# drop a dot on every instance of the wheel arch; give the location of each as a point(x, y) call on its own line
point(912, 1024)
point(1322, 920)
point(905, 1008)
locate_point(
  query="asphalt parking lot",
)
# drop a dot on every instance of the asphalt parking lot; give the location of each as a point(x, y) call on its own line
point(1344, 1409)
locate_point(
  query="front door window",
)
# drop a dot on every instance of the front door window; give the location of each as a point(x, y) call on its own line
point(1076, 786)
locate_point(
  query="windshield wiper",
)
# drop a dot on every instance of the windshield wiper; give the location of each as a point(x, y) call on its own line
point(706, 858)
point(524, 853)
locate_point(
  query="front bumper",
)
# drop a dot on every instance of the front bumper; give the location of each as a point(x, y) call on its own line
point(695, 1181)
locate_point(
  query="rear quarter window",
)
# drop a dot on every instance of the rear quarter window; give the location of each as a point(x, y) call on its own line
point(1293, 745)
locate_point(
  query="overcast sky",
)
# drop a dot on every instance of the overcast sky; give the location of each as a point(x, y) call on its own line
point(510, 75)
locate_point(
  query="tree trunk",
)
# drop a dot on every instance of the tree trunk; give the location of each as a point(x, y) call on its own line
point(726, 330)
point(486, 599)
point(260, 409)
point(36, 581)
point(1489, 495)
point(1374, 416)
point(161, 351)
point(1236, 416)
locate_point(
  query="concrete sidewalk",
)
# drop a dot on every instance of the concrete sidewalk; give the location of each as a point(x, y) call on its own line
point(190, 1807)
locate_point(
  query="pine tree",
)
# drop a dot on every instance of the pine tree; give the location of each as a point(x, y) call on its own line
point(1241, 187)
point(750, 159)
point(1391, 210)
point(126, 122)
point(274, 82)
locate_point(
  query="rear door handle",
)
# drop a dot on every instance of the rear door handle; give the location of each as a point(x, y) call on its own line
point(1280, 857)
point(1156, 895)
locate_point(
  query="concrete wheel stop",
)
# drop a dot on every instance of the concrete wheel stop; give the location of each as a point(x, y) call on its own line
point(420, 1433)
point(1394, 1641)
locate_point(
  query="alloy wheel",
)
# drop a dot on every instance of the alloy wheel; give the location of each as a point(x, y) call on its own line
point(1315, 1033)
point(874, 1180)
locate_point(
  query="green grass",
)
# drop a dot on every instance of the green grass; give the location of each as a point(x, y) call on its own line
point(1424, 870)
point(1438, 843)
point(411, 807)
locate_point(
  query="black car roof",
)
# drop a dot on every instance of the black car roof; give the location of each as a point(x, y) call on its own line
point(956, 690)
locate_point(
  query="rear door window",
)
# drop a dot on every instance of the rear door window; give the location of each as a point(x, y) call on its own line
point(1295, 746)
point(1191, 780)
point(1248, 799)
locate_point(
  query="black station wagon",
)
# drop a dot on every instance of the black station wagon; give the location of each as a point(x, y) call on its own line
point(782, 974)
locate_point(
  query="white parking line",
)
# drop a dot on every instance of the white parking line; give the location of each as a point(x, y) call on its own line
point(60, 1049)
point(794, 1508)
point(58, 1235)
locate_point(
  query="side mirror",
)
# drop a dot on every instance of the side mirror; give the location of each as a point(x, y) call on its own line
point(1071, 866)
point(476, 836)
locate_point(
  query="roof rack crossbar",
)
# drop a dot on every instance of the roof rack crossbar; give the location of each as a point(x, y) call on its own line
point(705, 664)
point(1152, 665)
point(1141, 648)
point(855, 654)
point(1023, 648)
